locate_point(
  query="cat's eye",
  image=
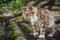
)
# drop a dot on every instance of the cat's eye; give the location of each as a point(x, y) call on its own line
point(24, 8)
point(26, 14)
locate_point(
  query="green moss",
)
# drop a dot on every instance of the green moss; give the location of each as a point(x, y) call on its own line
point(16, 34)
point(15, 30)
point(28, 27)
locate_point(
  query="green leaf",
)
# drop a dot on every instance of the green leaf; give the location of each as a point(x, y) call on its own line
point(20, 2)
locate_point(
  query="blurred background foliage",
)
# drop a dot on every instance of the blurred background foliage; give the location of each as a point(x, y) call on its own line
point(12, 5)
point(12, 30)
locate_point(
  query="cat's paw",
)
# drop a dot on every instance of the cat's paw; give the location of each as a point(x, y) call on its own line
point(41, 36)
point(35, 34)
point(50, 35)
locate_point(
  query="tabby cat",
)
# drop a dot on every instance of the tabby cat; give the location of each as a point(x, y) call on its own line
point(40, 20)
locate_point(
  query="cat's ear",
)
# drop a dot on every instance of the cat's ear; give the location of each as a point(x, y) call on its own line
point(23, 8)
point(30, 7)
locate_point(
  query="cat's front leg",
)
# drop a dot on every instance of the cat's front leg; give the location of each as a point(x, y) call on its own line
point(42, 33)
point(35, 31)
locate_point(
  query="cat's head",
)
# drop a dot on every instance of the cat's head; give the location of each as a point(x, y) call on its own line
point(28, 11)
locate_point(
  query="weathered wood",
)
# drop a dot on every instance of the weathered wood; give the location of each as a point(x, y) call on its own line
point(7, 18)
point(56, 6)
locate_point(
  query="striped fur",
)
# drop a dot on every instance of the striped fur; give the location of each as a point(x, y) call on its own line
point(40, 20)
